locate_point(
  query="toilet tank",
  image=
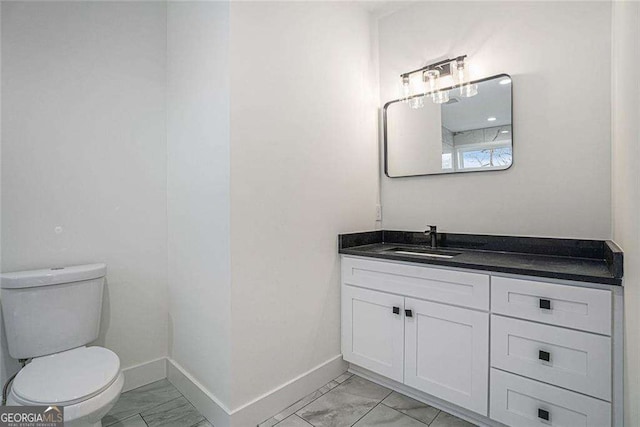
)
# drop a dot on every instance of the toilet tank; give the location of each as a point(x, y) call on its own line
point(52, 310)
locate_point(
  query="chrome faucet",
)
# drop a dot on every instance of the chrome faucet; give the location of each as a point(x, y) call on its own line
point(432, 232)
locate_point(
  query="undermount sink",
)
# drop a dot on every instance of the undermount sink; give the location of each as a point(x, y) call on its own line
point(431, 253)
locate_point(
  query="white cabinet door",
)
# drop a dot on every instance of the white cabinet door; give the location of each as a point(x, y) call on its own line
point(447, 353)
point(373, 331)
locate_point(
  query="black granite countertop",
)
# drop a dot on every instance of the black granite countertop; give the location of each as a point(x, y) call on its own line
point(594, 261)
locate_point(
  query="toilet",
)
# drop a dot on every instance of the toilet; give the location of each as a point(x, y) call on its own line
point(50, 316)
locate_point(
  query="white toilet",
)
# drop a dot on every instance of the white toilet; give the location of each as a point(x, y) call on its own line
point(50, 316)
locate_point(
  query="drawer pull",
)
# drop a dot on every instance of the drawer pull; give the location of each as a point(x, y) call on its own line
point(543, 414)
point(545, 304)
point(396, 310)
point(408, 313)
point(544, 355)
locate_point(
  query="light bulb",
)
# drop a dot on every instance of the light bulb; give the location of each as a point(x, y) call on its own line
point(461, 74)
point(431, 78)
point(406, 88)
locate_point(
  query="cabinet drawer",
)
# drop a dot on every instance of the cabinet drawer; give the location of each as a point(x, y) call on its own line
point(578, 361)
point(580, 308)
point(448, 286)
point(521, 402)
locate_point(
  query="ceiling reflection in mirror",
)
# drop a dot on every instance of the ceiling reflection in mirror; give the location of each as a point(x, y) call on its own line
point(465, 134)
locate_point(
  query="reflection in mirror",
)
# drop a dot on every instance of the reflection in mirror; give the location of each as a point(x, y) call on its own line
point(462, 135)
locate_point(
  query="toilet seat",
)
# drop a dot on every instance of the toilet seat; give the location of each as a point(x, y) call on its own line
point(67, 378)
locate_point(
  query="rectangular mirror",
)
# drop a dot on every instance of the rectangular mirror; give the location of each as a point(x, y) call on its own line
point(465, 134)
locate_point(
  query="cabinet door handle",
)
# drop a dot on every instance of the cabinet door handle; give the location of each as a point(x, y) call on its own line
point(543, 414)
point(545, 304)
point(544, 355)
point(408, 313)
point(396, 310)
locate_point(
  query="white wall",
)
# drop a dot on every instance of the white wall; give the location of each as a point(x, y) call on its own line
point(303, 169)
point(83, 155)
point(7, 365)
point(626, 185)
point(559, 55)
point(198, 192)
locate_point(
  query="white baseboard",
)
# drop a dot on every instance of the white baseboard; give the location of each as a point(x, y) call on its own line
point(204, 401)
point(283, 396)
point(443, 405)
point(259, 409)
point(144, 373)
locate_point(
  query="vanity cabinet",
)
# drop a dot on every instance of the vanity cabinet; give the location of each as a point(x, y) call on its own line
point(498, 350)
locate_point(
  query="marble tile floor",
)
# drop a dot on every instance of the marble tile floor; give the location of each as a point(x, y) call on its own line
point(158, 404)
point(347, 401)
point(352, 401)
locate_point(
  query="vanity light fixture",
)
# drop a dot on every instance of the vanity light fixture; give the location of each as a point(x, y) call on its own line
point(429, 82)
point(504, 131)
point(505, 81)
point(491, 119)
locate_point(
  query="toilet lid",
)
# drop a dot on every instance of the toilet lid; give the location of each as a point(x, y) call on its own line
point(68, 377)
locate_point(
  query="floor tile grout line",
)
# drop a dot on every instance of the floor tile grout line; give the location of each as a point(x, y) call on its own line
point(153, 407)
point(310, 402)
point(404, 413)
point(434, 418)
point(294, 415)
point(365, 414)
point(125, 419)
point(374, 407)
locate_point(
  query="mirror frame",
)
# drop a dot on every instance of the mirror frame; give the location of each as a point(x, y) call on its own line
point(385, 143)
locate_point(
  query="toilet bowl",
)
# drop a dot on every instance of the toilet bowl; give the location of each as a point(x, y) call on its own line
point(50, 316)
point(86, 381)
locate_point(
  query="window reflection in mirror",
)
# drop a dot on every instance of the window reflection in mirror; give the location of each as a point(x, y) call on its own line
point(463, 135)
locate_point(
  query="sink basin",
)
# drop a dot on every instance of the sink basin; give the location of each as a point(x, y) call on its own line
point(431, 253)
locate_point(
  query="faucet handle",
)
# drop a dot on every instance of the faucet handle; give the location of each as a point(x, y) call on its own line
point(432, 229)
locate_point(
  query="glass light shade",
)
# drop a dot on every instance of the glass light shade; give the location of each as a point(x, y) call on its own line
point(469, 90)
point(431, 78)
point(440, 97)
point(417, 102)
point(461, 72)
point(405, 88)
